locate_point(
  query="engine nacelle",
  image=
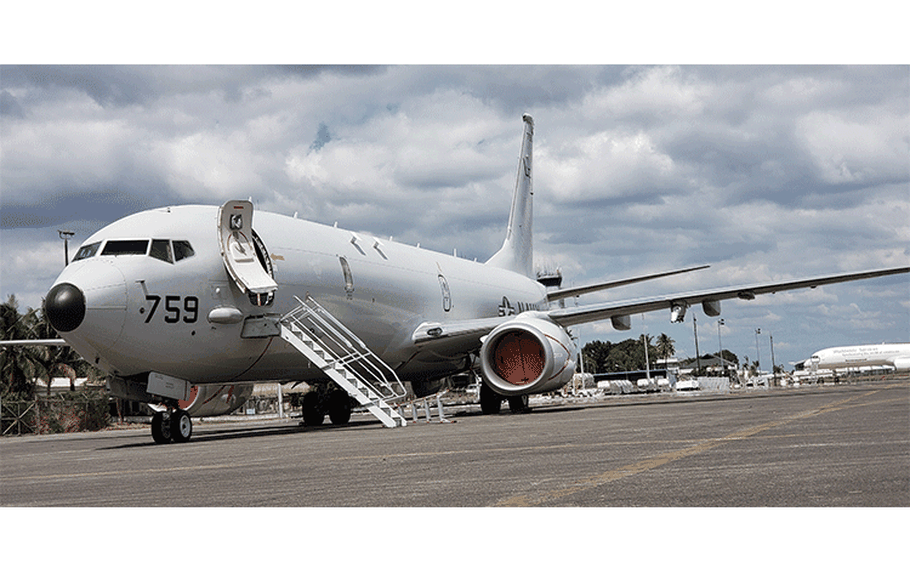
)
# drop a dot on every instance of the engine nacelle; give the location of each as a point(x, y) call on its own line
point(528, 355)
point(215, 400)
point(711, 308)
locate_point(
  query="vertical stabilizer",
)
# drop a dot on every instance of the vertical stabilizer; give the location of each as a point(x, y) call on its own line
point(517, 252)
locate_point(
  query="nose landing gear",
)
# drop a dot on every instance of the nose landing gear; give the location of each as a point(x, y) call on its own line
point(172, 425)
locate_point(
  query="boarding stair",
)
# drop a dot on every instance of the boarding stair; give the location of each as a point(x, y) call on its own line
point(341, 355)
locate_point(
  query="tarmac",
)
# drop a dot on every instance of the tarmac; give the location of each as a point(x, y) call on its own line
point(818, 446)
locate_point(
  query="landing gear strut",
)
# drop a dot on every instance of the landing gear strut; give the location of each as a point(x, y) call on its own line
point(171, 426)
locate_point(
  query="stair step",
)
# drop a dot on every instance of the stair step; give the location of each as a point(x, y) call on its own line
point(309, 326)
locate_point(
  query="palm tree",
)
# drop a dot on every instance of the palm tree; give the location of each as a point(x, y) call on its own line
point(665, 347)
point(19, 366)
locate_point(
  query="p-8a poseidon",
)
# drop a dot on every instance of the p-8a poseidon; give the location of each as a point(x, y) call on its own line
point(188, 306)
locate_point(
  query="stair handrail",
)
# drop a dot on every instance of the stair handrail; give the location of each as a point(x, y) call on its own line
point(380, 375)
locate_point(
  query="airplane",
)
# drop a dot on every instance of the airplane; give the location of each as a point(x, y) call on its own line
point(214, 298)
point(896, 355)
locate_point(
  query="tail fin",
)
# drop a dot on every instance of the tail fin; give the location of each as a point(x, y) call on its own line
point(517, 252)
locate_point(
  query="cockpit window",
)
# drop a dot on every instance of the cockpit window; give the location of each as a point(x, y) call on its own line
point(161, 249)
point(125, 247)
point(183, 249)
point(87, 251)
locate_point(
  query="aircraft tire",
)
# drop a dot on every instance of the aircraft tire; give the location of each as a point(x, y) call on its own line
point(490, 401)
point(312, 411)
point(161, 428)
point(519, 404)
point(339, 407)
point(181, 426)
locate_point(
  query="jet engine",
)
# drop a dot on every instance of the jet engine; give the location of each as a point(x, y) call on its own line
point(528, 355)
point(214, 400)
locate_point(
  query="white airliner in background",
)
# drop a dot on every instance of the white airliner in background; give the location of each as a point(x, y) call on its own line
point(895, 355)
point(196, 303)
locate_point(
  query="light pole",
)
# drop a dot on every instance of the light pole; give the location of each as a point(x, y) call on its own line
point(720, 347)
point(646, 341)
point(773, 370)
point(757, 351)
point(65, 235)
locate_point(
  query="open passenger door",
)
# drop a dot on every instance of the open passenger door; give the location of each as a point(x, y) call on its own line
point(238, 249)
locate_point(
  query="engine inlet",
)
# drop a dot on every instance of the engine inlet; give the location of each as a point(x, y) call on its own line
point(518, 358)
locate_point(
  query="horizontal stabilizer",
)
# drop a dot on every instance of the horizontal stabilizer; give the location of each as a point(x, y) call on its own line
point(33, 343)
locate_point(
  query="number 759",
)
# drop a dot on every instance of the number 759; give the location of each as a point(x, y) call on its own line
point(173, 309)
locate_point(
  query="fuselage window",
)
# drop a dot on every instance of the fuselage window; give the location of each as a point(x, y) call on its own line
point(182, 249)
point(161, 249)
point(87, 251)
point(114, 248)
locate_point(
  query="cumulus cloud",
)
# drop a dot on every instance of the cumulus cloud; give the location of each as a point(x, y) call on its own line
point(856, 150)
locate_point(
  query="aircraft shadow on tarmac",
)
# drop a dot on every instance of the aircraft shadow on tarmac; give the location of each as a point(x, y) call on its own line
point(240, 433)
point(235, 433)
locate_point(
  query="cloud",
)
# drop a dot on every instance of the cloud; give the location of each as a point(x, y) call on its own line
point(9, 106)
point(856, 150)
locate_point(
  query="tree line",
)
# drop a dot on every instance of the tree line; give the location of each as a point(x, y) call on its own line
point(22, 366)
point(629, 355)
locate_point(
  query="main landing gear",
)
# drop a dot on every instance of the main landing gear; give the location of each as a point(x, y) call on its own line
point(491, 402)
point(318, 402)
point(172, 425)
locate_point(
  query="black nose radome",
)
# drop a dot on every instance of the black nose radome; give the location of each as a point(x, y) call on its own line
point(65, 307)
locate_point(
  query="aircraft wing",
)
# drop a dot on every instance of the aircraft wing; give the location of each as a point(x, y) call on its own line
point(32, 342)
point(579, 290)
point(444, 337)
point(597, 312)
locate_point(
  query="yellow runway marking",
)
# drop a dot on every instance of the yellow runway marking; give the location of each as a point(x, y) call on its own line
point(533, 499)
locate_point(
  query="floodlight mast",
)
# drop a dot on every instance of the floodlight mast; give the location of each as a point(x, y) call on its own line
point(66, 236)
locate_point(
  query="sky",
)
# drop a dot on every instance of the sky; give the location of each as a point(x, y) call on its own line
point(766, 172)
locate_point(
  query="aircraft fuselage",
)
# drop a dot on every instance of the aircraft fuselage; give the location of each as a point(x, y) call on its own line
point(149, 311)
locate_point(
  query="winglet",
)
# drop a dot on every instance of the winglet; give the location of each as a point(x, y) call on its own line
point(517, 252)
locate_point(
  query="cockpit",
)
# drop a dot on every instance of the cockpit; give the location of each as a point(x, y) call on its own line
point(166, 250)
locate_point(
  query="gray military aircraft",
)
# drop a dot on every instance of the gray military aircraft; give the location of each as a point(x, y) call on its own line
point(196, 303)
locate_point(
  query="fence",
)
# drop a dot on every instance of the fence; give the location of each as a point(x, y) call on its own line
point(55, 414)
